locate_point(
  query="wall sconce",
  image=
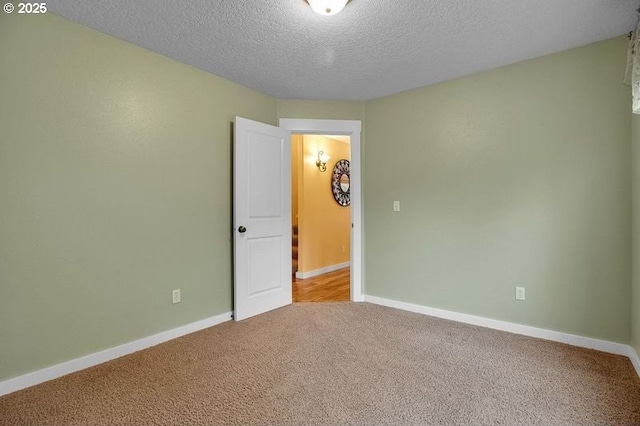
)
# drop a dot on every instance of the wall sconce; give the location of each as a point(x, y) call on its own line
point(322, 160)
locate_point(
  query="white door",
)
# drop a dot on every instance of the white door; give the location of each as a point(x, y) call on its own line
point(261, 218)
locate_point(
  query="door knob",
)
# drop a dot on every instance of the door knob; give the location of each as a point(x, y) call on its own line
point(242, 229)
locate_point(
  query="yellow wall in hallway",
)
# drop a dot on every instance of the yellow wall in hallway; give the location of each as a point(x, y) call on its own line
point(324, 225)
point(296, 176)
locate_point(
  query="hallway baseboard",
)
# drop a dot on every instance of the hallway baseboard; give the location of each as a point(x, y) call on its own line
point(309, 274)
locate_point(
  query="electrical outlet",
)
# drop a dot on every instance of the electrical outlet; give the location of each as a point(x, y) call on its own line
point(396, 206)
point(519, 293)
point(344, 249)
point(175, 295)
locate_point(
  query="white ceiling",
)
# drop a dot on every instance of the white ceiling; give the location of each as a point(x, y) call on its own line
point(372, 49)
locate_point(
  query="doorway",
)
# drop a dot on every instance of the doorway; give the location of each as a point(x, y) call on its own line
point(351, 128)
point(262, 211)
point(320, 217)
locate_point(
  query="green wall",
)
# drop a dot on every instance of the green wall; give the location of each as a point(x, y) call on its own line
point(329, 110)
point(518, 176)
point(115, 186)
point(635, 303)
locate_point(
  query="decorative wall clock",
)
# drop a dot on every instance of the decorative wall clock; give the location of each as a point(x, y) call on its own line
point(341, 182)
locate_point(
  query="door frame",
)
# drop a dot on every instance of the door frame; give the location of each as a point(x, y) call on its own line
point(353, 129)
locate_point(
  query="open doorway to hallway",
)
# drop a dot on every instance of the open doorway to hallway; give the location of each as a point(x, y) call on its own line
point(330, 287)
point(321, 217)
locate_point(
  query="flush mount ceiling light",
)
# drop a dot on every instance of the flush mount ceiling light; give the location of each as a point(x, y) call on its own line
point(327, 7)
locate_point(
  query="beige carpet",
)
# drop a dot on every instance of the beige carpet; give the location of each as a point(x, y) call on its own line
point(341, 363)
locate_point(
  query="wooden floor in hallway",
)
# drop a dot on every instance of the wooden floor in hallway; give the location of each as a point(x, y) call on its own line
point(329, 287)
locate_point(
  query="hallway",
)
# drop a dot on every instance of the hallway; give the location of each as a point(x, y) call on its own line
point(329, 287)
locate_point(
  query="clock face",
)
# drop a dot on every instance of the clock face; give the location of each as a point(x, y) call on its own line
point(341, 182)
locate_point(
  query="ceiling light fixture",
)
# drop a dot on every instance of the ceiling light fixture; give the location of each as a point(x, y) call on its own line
point(327, 7)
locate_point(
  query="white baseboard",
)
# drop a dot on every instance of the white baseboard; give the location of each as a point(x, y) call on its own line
point(635, 359)
point(556, 336)
point(316, 272)
point(53, 372)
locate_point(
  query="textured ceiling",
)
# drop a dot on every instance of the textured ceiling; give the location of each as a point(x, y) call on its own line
point(372, 49)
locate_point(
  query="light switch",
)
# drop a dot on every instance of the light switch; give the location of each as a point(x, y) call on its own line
point(396, 206)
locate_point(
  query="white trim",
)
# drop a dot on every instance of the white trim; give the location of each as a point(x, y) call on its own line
point(62, 369)
point(59, 370)
point(634, 358)
point(309, 274)
point(351, 128)
point(555, 336)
